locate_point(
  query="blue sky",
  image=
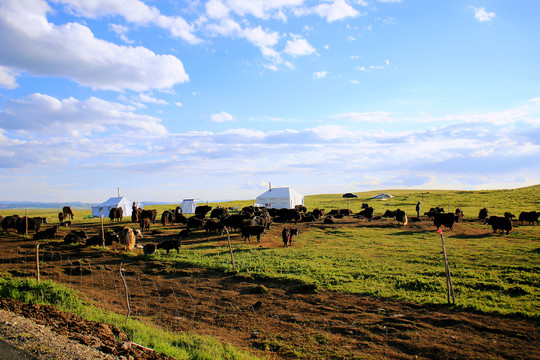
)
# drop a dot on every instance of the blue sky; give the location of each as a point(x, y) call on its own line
point(215, 99)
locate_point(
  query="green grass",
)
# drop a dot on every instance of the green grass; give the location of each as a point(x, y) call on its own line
point(497, 201)
point(491, 273)
point(185, 345)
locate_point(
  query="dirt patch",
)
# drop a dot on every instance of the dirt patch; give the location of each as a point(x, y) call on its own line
point(271, 318)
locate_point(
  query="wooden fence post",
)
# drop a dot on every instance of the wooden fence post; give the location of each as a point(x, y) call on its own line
point(127, 292)
point(102, 231)
point(37, 261)
point(451, 298)
point(230, 249)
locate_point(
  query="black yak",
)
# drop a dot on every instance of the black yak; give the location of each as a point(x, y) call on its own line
point(252, 230)
point(169, 245)
point(499, 222)
point(444, 219)
point(287, 235)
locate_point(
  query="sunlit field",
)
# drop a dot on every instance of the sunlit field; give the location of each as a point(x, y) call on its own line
point(490, 272)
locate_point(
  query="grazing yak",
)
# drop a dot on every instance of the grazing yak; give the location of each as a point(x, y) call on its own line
point(499, 222)
point(234, 221)
point(444, 219)
point(308, 217)
point(434, 211)
point(149, 249)
point(144, 224)
point(483, 214)
point(34, 224)
point(344, 212)
point(116, 213)
point(66, 210)
point(219, 212)
point(49, 233)
point(252, 230)
point(180, 218)
point(459, 215)
point(401, 217)
point(318, 213)
point(170, 244)
point(328, 220)
point(96, 240)
point(367, 213)
point(213, 226)
point(202, 210)
point(509, 215)
point(167, 217)
point(286, 215)
point(301, 208)
point(194, 223)
point(127, 237)
point(184, 234)
point(75, 236)
point(9, 222)
point(111, 237)
point(531, 217)
point(151, 214)
point(287, 235)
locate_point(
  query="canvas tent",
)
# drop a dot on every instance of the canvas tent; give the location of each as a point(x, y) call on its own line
point(383, 196)
point(105, 207)
point(280, 198)
point(188, 206)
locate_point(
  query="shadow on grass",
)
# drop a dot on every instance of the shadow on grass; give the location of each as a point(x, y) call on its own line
point(471, 236)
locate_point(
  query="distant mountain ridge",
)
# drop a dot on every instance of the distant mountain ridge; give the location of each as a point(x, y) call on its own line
point(50, 205)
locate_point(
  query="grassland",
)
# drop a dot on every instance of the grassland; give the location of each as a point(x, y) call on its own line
point(491, 272)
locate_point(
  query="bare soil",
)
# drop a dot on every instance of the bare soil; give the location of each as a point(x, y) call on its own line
point(271, 318)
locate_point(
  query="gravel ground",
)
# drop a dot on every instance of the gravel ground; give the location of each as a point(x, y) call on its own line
point(43, 343)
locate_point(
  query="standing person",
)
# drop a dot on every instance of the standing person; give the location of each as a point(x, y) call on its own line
point(418, 209)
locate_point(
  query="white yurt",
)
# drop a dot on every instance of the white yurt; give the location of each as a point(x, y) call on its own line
point(104, 208)
point(188, 206)
point(382, 196)
point(280, 198)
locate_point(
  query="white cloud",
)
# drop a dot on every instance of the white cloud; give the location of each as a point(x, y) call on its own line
point(133, 11)
point(225, 27)
point(150, 99)
point(263, 9)
point(445, 153)
point(265, 40)
point(373, 67)
point(43, 114)
point(337, 10)
point(482, 15)
point(216, 9)
point(221, 117)
point(375, 116)
point(121, 31)
point(320, 74)
point(8, 77)
point(29, 42)
point(299, 47)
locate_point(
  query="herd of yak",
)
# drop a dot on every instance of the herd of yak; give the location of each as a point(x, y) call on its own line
point(250, 222)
